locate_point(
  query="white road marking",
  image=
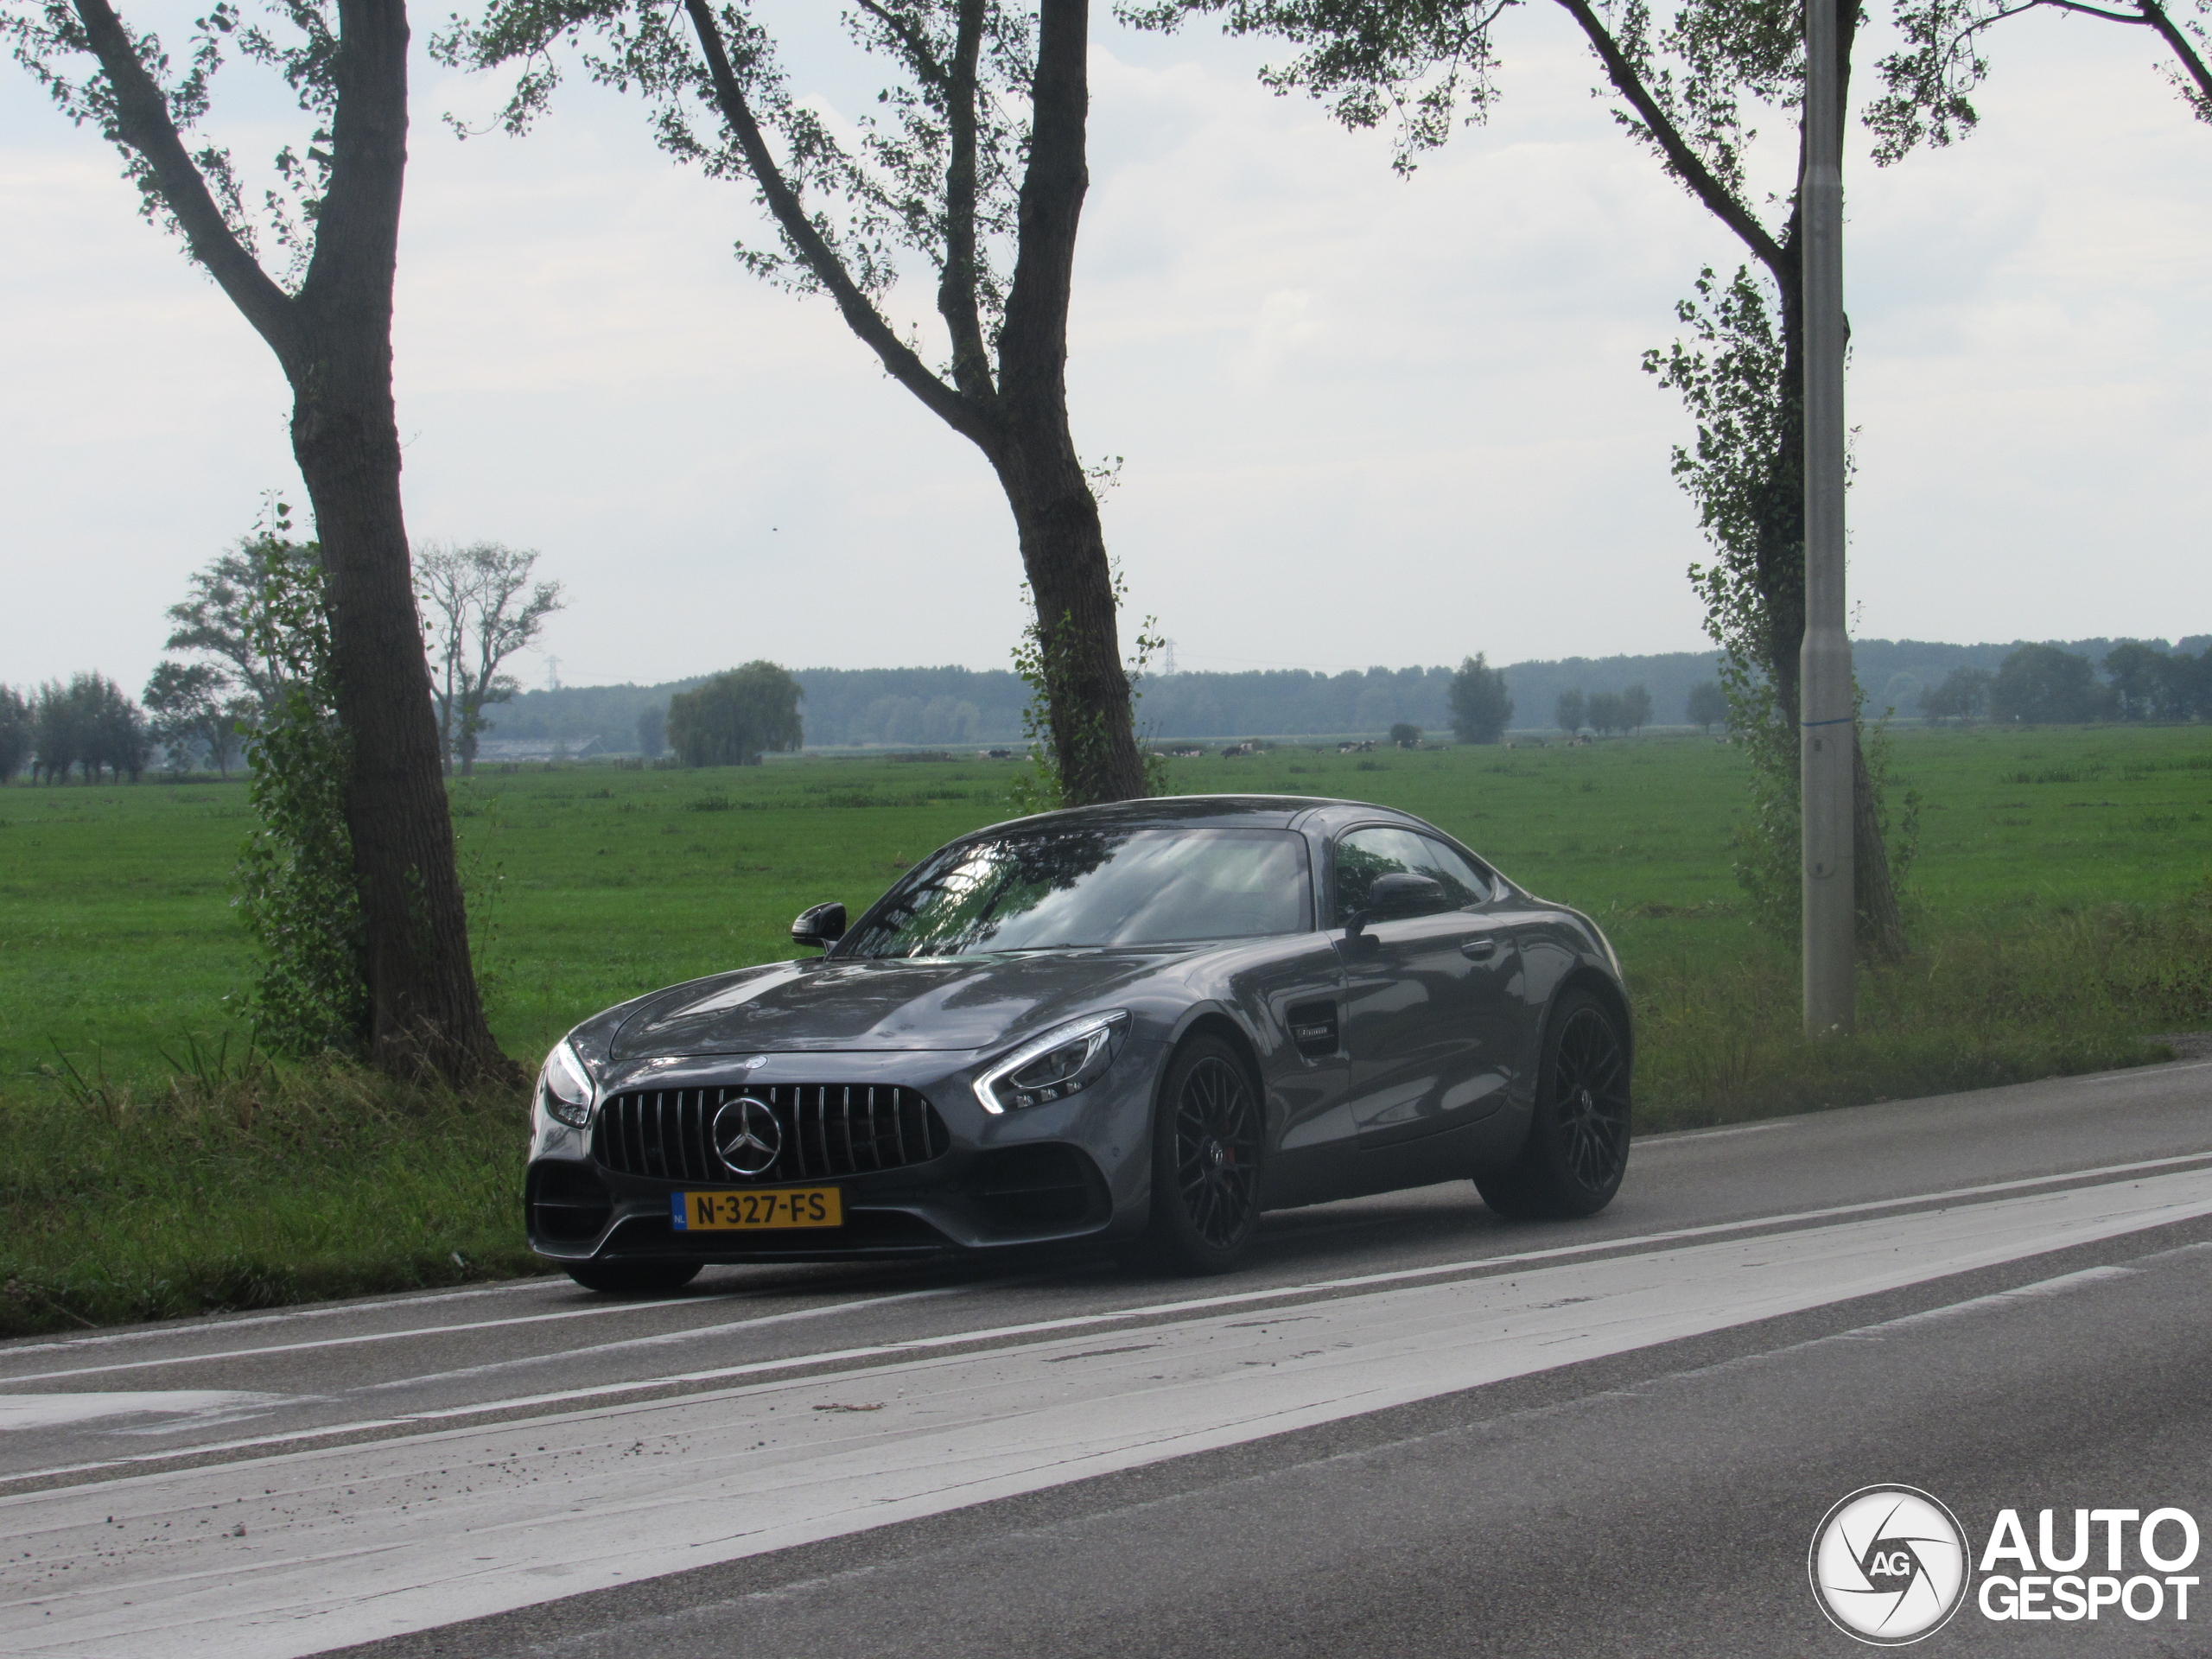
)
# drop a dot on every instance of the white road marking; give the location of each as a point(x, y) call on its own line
point(555, 1282)
point(485, 1324)
point(19, 1411)
point(1469, 1264)
point(920, 1344)
point(1692, 1137)
point(280, 1556)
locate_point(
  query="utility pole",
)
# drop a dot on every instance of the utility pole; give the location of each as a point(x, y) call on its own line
point(1825, 695)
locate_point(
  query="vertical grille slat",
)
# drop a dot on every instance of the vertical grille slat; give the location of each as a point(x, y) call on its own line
point(668, 1135)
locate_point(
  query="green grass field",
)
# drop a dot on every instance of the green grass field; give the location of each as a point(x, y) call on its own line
point(2061, 912)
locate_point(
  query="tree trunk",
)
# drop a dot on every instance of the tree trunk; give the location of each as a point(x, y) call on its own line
point(1881, 927)
point(1062, 546)
point(424, 1010)
point(1064, 553)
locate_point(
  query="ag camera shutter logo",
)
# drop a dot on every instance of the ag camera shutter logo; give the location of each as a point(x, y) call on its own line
point(1888, 1565)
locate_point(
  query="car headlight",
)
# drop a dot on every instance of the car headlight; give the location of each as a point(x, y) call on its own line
point(565, 1086)
point(1063, 1061)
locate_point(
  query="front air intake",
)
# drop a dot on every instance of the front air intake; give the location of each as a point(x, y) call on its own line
point(827, 1130)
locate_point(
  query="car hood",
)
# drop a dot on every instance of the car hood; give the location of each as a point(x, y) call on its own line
point(962, 1003)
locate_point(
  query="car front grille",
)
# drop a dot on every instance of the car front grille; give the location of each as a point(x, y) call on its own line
point(829, 1129)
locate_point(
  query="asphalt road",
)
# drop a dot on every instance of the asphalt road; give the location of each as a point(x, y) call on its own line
point(1406, 1428)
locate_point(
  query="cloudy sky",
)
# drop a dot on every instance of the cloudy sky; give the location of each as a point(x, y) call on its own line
point(1363, 421)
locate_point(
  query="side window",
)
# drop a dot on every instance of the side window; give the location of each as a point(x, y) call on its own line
point(1366, 853)
point(1461, 880)
point(1360, 857)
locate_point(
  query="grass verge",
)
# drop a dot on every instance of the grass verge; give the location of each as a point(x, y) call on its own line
point(1987, 1000)
point(256, 1189)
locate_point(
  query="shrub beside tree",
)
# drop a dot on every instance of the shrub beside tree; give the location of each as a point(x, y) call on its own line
point(1480, 709)
point(735, 717)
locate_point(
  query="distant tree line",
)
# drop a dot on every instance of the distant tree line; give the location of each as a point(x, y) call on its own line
point(2043, 685)
point(1604, 712)
point(89, 726)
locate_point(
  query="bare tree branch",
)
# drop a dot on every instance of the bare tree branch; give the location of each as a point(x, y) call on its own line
point(955, 292)
point(2200, 100)
point(1681, 160)
point(861, 316)
point(142, 121)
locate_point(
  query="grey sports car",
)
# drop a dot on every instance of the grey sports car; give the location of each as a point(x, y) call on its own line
point(1141, 1024)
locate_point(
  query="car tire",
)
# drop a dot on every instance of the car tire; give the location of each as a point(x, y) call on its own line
point(1208, 1132)
point(635, 1278)
point(1576, 1151)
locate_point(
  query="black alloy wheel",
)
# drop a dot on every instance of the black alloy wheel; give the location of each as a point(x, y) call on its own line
point(634, 1278)
point(1577, 1150)
point(1206, 1161)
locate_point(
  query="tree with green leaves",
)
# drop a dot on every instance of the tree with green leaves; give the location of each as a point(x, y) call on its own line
point(90, 725)
point(1708, 706)
point(211, 622)
point(332, 223)
point(2139, 677)
point(1481, 711)
point(971, 173)
point(479, 608)
point(2042, 685)
point(194, 713)
point(16, 740)
point(1964, 696)
point(1636, 707)
point(1930, 82)
point(1571, 710)
point(735, 717)
point(1608, 712)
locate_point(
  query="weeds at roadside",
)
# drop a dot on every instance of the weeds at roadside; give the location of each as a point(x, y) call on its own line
point(243, 1184)
point(1985, 1000)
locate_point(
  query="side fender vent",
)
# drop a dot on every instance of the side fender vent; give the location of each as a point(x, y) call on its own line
point(1313, 1028)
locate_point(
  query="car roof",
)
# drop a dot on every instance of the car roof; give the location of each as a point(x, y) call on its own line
point(1225, 811)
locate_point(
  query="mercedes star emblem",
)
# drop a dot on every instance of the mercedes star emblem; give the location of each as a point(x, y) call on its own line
point(748, 1138)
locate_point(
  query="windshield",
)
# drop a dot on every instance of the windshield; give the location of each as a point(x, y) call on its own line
point(1056, 888)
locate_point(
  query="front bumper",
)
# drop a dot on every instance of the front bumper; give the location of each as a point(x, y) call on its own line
point(1074, 1169)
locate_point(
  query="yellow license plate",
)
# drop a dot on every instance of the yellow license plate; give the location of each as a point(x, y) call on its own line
point(778, 1207)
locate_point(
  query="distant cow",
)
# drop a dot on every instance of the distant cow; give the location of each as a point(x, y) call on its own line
point(1367, 747)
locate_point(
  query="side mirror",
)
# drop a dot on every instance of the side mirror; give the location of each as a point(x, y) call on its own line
point(1399, 894)
point(821, 926)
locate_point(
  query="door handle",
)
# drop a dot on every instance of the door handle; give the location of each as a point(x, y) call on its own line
point(1481, 950)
